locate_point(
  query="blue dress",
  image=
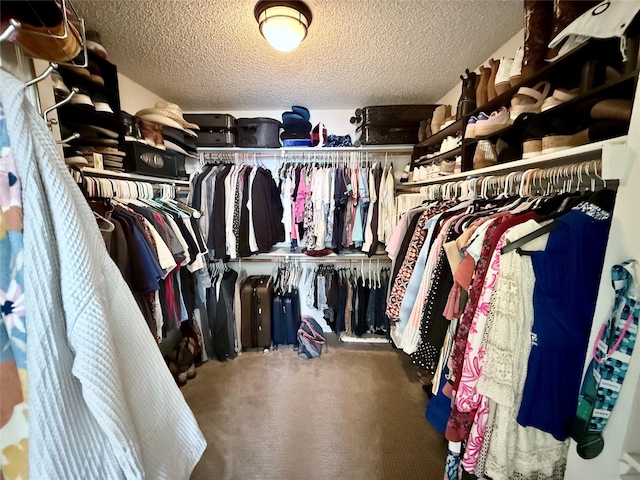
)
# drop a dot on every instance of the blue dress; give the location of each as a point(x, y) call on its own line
point(567, 279)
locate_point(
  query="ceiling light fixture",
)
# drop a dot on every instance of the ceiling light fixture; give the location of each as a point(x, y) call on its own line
point(283, 24)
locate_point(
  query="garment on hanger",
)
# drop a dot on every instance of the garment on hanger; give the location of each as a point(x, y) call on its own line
point(474, 308)
point(241, 209)
point(100, 379)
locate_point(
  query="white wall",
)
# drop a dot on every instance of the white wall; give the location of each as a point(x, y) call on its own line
point(134, 97)
point(508, 50)
point(623, 245)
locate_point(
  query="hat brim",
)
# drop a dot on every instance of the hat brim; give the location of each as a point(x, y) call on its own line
point(167, 114)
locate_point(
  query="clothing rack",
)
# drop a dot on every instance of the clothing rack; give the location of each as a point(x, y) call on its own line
point(309, 156)
point(530, 182)
point(97, 187)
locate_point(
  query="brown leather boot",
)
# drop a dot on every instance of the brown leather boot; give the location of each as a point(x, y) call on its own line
point(565, 12)
point(491, 86)
point(481, 91)
point(538, 16)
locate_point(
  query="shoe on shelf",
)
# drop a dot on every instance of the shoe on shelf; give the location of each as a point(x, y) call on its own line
point(94, 43)
point(485, 155)
point(424, 130)
point(82, 98)
point(515, 73)
point(405, 174)
point(101, 103)
point(95, 74)
point(556, 143)
point(558, 97)
point(531, 148)
point(74, 158)
point(59, 87)
point(502, 77)
point(491, 85)
point(529, 100)
point(447, 167)
point(470, 131)
point(440, 114)
point(481, 89)
point(95, 131)
point(612, 109)
point(493, 123)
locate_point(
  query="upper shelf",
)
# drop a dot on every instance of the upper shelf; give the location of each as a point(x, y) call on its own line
point(397, 149)
point(591, 151)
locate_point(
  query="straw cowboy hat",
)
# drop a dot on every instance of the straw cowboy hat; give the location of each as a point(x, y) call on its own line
point(167, 110)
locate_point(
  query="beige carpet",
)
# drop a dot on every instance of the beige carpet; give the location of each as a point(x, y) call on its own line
point(351, 414)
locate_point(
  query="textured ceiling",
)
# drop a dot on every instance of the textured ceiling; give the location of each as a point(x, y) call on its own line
point(209, 54)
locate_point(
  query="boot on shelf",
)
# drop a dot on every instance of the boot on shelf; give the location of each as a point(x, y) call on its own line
point(565, 12)
point(481, 91)
point(538, 18)
point(440, 114)
point(491, 86)
point(502, 77)
point(467, 102)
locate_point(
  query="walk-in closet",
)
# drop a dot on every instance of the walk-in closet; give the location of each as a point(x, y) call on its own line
point(381, 240)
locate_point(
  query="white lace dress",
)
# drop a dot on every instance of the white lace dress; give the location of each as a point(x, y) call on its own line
point(515, 451)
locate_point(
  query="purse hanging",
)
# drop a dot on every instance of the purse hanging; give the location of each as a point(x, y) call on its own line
point(611, 355)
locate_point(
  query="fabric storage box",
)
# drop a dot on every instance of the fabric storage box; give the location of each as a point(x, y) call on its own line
point(388, 135)
point(395, 115)
point(258, 132)
point(151, 161)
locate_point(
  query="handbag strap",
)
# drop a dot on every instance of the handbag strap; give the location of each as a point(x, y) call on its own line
point(622, 282)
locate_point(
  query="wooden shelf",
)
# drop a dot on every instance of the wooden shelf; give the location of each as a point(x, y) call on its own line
point(131, 176)
point(437, 137)
point(543, 74)
point(397, 149)
point(443, 156)
point(583, 153)
point(584, 98)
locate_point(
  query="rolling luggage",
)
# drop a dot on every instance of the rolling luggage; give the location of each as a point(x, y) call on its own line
point(390, 124)
point(286, 318)
point(393, 115)
point(256, 302)
point(216, 129)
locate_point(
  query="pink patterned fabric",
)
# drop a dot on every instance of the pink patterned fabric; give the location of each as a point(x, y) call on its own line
point(406, 270)
point(467, 397)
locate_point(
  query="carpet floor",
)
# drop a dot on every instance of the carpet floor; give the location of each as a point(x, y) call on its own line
point(351, 414)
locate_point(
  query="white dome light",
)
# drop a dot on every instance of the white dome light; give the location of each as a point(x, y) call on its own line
point(283, 24)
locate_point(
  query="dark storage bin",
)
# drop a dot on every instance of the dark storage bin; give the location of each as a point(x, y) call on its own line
point(395, 115)
point(211, 120)
point(151, 161)
point(211, 137)
point(258, 132)
point(388, 135)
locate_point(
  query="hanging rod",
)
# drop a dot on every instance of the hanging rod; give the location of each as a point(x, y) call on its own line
point(13, 26)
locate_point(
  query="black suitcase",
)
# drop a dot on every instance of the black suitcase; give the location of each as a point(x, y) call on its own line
point(286, 318)
point(211, 137)
point(255, 315)
point(388, 135)
point(393, 115)
point(220, 121)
